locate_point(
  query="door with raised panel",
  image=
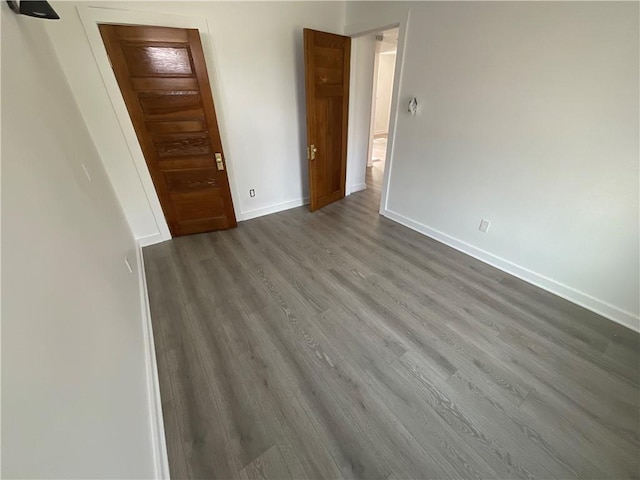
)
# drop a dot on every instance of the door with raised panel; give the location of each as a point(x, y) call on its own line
point(326, 61)
point(163, 78)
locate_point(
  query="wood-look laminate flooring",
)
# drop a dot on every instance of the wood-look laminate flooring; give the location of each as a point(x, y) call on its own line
point(339, 344)
point(380, 149)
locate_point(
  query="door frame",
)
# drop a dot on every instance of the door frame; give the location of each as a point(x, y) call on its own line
point(367, 28)
point(90, 18)
point(374, 103)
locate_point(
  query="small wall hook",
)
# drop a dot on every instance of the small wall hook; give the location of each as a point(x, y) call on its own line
point(413, 106)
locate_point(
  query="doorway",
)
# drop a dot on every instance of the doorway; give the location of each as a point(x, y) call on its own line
point(351, 106)
point(373, 109)
point(384, 64)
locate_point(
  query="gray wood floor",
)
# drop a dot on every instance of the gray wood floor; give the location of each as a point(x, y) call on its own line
point(339, 344)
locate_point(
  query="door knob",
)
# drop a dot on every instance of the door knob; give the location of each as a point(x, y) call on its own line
point(219, 161)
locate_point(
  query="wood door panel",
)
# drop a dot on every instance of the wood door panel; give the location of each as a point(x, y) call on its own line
point(149, 34)
point(327, 58)
point(328, 76)
point(184, 181)
point(165, 85)
point(202, 225)
point(321, 119)
point(330, 40)
point(175, 114)
point(329, 137)
point(144, 61)
point(168, 103)
point(328, 91)
point(334, 145)
point(198, 206)
point(150, 84)
point(182, 144)
point(186, 163)
point(169, 126)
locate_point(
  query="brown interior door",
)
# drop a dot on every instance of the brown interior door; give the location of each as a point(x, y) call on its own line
point(163, 79)
point(326, 61)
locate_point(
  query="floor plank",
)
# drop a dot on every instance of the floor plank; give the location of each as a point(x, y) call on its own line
point(271, 465)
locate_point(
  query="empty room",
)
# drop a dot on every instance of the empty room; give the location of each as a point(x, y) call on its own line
point(320, 240)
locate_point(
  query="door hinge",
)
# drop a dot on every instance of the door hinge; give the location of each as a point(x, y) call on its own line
point(311, 152)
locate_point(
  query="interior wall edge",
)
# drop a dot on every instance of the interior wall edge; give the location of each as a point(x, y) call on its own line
point(357, 187)
point(156, 419)
point(151, 239)
point(571, 294)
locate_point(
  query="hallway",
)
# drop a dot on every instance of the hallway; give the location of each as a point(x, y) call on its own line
point(375, 173)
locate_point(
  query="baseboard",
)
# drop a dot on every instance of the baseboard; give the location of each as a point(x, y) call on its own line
point(278, 207)
point(248, 215)
point(568, 293)
point(357, 188)
point(159, 445)
point(151, 240)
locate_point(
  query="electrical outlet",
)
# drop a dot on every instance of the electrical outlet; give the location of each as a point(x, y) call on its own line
point(484, 225)
point(126, 262)
point(252, 193)
point(86, 172)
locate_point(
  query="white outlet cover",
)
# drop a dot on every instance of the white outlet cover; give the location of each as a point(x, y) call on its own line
point(484, 225)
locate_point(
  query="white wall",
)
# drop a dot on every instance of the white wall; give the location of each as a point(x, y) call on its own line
point(260, 80)
point(74, 385)
point(528, 117)
point(384, 89)
point(360, 88)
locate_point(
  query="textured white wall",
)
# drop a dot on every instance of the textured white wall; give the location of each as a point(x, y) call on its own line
point(260, 74)
point(74, 385)
point(528, 117)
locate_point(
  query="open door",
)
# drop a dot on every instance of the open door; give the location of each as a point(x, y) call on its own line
point(326, 60)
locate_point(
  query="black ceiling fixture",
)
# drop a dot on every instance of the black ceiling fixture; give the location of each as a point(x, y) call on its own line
point(34, 8)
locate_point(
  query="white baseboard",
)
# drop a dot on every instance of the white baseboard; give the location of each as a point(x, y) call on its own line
point(356, 188)
point(248, 215)
point(575, 296)
point(151, 239)
point(278, 207)
point(156, 422)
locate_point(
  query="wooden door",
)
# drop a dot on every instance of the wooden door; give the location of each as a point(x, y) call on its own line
point(326, 59)
point(163, 79)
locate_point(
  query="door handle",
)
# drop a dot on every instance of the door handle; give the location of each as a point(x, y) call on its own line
point(311, 152)
point(219, 161)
